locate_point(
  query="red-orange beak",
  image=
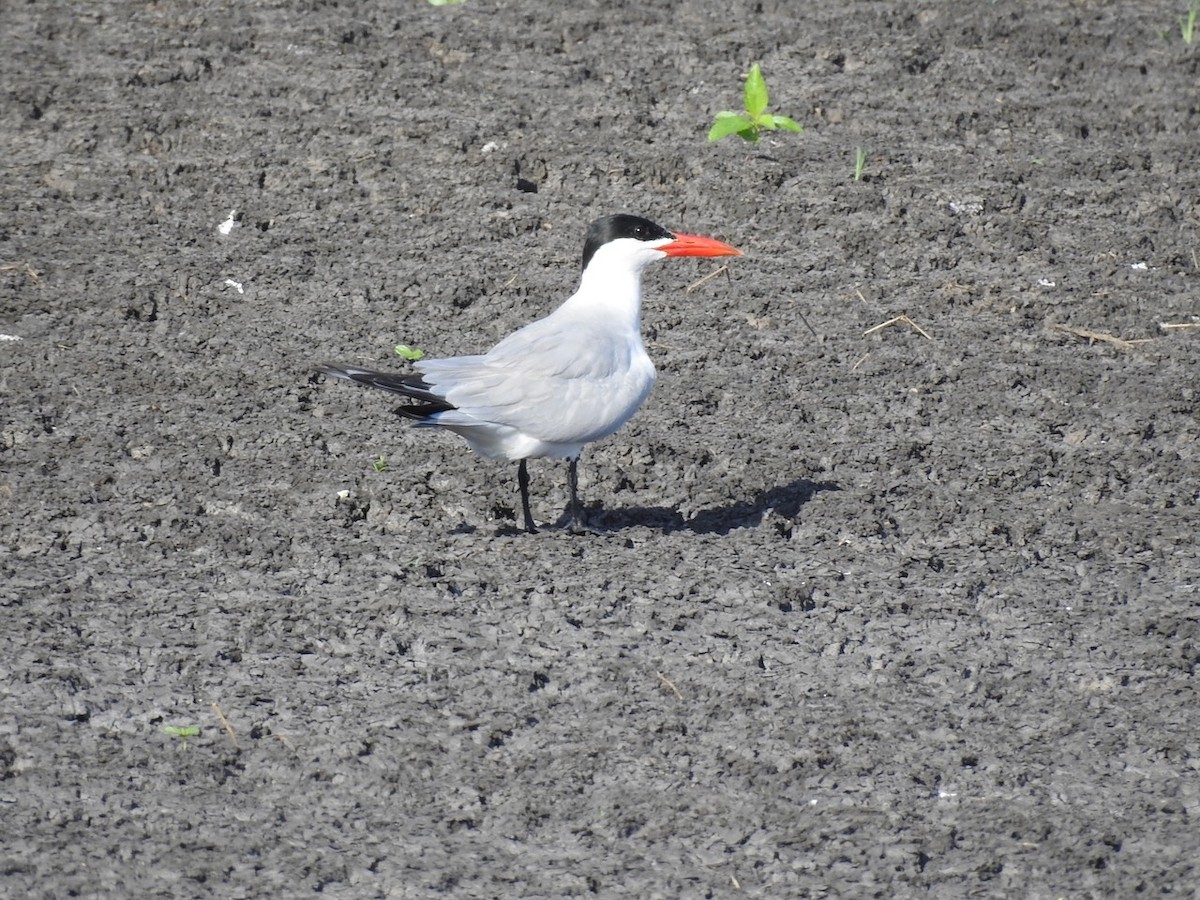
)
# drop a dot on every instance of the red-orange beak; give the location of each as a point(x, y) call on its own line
point(693, 245)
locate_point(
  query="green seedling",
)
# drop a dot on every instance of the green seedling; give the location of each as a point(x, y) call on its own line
point(860, 163)
point(381, 464)
point(183, 732)
point(1187, 23)
point(412, 354)
point(751, 122)
point(444, 2)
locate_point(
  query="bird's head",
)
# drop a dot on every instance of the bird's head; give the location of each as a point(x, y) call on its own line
point(633, 242)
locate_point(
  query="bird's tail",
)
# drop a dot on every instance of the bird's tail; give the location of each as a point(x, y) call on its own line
point(415, 387)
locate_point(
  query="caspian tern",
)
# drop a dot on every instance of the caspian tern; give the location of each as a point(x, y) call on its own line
point(561, 382)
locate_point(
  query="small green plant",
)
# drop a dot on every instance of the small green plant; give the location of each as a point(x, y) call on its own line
point(444, 2)
point(860, 163)
point(381, 464)
point(1187, 23)
point(412, 354)
point(183, 732)
point(754, 118)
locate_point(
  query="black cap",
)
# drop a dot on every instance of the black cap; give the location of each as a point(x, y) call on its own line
point(621, 225)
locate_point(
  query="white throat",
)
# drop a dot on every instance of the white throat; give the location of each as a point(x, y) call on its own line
point(611, 285)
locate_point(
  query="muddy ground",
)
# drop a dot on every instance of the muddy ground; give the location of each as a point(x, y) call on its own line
point(899, 590)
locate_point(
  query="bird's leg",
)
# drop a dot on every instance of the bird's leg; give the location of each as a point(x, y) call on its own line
point(523, 483)
point(575, 521)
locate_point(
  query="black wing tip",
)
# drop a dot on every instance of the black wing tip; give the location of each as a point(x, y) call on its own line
point(413, 386)
point(330, 369)
point(422, 412)
point(354, 373)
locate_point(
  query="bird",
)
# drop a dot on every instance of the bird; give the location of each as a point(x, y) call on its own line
point(561, 382)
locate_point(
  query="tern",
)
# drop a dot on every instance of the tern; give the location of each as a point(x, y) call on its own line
point(561, 382)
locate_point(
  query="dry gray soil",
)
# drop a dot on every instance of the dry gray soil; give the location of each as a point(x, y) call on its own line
point(898, 594)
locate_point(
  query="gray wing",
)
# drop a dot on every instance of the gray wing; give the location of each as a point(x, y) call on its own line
point(559, 391)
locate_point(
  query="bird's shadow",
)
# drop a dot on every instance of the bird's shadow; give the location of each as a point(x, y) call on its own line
point(785, 500)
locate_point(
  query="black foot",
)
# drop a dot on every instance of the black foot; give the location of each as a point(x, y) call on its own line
point(577, 523)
